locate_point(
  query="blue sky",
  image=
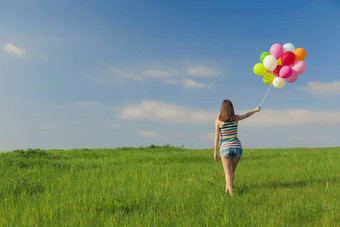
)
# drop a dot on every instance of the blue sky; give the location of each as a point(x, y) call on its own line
point(91, 74)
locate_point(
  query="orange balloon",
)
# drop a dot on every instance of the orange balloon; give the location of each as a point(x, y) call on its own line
point(300, 54)
point(268, 71)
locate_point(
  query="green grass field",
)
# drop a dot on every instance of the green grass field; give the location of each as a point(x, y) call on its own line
point(168, 186)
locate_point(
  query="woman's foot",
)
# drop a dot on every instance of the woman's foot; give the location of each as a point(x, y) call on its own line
point(230, 192)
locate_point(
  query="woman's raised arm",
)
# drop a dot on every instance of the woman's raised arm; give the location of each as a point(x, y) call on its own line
point(244, 116)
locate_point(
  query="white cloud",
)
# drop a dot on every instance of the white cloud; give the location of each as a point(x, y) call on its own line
point(175, 73)
point(154, 110)
point(203, 71)
point(13, 50)
point(188, 83)
point(291, 118)
point(174, 76)
point(150, 134)
point(115, 76)
point(320, 88)
point(157, 73)
point(207, 136)
point(94, 106)
point(310, 139)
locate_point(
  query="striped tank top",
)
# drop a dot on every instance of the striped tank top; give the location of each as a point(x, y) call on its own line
point(228, 131)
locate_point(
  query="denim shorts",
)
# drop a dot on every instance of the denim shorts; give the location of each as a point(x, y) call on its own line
point(231, 152)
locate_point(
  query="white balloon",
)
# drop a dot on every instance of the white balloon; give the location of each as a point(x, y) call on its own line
point(279, 82)
point(288, 47)
point(270, 62)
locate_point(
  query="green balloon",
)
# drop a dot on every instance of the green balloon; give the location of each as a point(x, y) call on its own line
point(268, 78)
point(263, 55)
point(259, 69)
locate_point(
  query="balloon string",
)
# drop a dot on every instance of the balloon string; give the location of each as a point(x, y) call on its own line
point(265, 95)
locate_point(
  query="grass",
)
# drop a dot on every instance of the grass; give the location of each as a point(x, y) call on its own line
point(168, 186)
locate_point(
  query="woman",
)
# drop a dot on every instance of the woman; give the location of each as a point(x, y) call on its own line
point(230, 145)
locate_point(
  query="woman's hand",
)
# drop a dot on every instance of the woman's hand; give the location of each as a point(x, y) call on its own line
point(257, 109)
point(216, 157)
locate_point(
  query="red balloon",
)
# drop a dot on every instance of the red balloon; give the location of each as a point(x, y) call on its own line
point(287, 58)
point(277, 70)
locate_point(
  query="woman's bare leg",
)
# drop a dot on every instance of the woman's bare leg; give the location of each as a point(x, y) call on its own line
point(227, 172)
point(234, 162)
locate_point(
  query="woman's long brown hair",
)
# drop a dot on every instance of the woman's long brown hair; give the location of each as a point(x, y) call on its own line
point(227, 113)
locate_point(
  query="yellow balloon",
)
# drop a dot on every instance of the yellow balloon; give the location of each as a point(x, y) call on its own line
point(279, 61)
point(259, 69)
point(268, 78)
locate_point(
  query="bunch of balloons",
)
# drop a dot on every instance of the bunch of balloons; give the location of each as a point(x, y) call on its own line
point(282, 63)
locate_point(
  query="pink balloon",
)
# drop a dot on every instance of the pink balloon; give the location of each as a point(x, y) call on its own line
point(293, 77)
point(276, 50)
point(299, 67)
point(285, 72)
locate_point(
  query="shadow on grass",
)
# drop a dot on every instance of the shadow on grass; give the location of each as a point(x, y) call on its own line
point(244, 189)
